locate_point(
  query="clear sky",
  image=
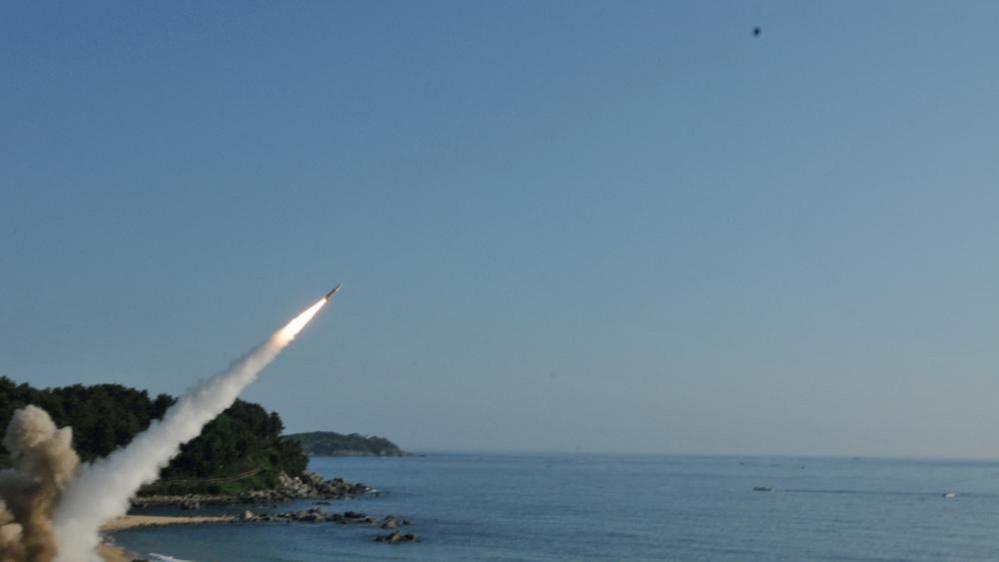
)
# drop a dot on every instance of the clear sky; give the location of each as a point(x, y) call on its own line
point(567, 225)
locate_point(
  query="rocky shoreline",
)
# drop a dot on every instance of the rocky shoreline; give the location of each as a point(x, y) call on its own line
point(318, 515)
point(112, 553)
point(308, 486)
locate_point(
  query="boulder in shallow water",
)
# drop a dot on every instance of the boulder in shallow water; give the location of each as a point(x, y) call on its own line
point(396, 537)
point(190, 503)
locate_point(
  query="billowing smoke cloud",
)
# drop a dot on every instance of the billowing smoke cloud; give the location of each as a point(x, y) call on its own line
point(103, 489)
point(44, 462)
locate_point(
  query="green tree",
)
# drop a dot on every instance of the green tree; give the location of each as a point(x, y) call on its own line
point(245, 439)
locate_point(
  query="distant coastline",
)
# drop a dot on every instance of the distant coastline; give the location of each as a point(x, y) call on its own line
point(333, 444)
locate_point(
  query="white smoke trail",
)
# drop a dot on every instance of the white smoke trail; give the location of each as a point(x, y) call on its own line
point(103, 489)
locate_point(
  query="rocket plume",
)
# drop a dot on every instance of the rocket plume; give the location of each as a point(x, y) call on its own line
point(102, 490)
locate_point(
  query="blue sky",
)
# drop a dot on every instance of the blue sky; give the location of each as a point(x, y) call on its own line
point(560, 225)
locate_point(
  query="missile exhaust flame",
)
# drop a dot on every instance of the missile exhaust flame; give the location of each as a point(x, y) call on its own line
point(292, 329)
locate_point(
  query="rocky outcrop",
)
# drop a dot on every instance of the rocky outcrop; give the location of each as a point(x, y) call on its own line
point(190, 503)
point(309, 485)
point(318, 515)
point(396, 537)
point(312, 485)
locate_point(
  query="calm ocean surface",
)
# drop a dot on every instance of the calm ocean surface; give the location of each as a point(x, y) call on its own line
point(562, 507)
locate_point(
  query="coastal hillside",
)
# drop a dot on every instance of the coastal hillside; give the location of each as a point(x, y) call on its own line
point(333, 444)
point(239, 451)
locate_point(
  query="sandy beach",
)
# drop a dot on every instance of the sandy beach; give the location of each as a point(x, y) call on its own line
point(112, 553)
point(132, 521)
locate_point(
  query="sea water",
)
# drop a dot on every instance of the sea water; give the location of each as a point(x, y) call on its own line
point(568, 507)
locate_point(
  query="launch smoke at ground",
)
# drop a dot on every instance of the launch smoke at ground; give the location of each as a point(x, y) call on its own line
point(103, 489)
point(44, 461)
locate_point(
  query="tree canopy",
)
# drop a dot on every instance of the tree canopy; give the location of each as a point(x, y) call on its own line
point(241, 449)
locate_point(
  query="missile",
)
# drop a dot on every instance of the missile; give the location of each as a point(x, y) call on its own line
point(330, 294)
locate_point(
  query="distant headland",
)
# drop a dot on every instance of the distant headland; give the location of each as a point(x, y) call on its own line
point(333, 444)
